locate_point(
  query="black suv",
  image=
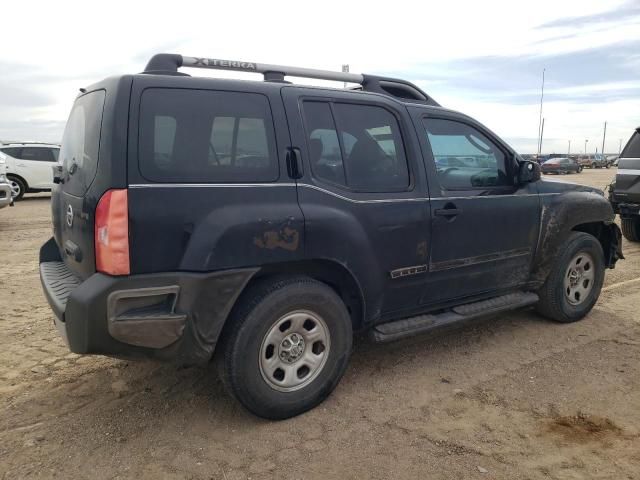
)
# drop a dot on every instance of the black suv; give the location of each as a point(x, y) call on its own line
point(624, 192)
point(265, 223)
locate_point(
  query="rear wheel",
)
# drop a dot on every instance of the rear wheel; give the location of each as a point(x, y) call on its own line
point(286, 347)
point(631, 229)
point(573, 286)
point(18, 187)
point(593, 165)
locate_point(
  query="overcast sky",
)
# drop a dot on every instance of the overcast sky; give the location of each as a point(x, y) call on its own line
point(484, 58)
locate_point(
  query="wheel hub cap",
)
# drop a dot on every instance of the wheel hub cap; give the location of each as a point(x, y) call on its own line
point(579, 278)
point(294, 350)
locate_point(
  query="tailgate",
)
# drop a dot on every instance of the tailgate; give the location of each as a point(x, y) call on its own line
point(73, 208)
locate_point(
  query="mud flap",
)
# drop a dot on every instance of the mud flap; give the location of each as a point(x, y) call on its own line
point(614, 241)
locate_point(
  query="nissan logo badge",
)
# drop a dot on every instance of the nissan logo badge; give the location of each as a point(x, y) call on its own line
point(69, 216)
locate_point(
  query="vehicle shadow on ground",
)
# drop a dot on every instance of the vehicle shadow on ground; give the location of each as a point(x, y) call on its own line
point(179, 395)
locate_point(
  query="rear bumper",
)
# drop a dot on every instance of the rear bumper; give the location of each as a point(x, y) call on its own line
point(5, 195)
point(172, 315)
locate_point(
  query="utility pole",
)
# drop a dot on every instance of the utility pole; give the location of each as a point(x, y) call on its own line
point(540, 121)
point(541, 134)
point(585, 145)
point(345, 69)
point(569, 149)
point(604, 135)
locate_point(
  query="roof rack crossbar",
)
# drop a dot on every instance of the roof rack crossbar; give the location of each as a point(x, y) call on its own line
point(167, 63)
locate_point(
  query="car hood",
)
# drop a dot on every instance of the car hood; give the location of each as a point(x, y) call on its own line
point(560, 186)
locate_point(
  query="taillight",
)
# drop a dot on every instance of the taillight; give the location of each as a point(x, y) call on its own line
point(112, 233)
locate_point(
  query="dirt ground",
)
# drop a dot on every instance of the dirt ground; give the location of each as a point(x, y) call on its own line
point(513, 397)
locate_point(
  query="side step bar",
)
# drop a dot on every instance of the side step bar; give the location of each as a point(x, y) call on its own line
point(407, 327)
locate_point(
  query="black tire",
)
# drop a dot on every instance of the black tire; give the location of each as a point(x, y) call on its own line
point(593, 166)
point(631, 229)
point(246, 334)
point(17, 184)
point(554, 303)
point(580, 170)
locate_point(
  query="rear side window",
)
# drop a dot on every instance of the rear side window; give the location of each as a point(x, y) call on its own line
point(81, 142)
point(358, 146)
point(38, 154)
point(14, 152)
point(206, 136)
point(632, 149)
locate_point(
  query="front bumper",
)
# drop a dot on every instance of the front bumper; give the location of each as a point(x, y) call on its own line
point(627, 210)
point(5, 195)
point(172, 315)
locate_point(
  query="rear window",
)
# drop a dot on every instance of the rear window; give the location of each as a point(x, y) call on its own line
point(632, 150)
point(206, 136)
point(81, 142)
point(38, 154)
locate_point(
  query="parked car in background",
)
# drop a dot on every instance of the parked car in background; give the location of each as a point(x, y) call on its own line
point(29, 166)
point(596, 160)
point(624, 191)
point(5, 189)
point(561, 166)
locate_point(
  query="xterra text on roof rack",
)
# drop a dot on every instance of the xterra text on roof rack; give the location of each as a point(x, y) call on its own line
point(263, 223)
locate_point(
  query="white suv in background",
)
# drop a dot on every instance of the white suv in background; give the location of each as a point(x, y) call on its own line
point(29, 166)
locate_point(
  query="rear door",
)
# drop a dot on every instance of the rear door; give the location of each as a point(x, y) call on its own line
point(34, 165)
point(363, 192)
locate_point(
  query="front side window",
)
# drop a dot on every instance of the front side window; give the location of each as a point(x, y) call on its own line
point(358, 146)
point(465, 158)
point(206, 136)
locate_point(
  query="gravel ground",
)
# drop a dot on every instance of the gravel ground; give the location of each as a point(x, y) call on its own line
point(512, 397)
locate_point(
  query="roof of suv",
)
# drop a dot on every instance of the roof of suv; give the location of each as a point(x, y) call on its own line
point(29, 144)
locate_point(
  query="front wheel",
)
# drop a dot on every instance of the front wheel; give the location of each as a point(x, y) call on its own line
point(286, 347)
point(631, 229)
point(574, 283)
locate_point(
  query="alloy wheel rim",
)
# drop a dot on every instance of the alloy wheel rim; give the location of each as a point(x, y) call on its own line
point(579, 278)
point(15, 188)
point(294, 351)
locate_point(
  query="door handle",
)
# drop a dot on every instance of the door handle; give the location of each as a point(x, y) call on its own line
point(20, 165)
point(448, 212)
point(294, 163)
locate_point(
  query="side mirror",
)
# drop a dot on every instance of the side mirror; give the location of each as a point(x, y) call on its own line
point(528, 172)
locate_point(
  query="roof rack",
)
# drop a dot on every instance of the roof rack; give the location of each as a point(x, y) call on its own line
point(168, 64)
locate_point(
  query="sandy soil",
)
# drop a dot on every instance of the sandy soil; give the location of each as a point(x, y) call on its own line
point(513, 397)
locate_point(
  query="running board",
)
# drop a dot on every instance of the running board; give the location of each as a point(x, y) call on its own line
point(388, 332)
